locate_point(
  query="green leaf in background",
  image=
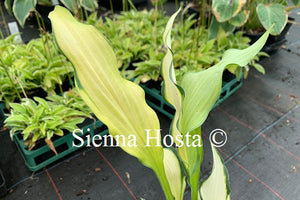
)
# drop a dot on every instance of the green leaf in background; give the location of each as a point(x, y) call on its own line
point(215, 27)
point(272, 14)
point(117, 102)
point(174, 173)
point(8, 6)
point(295, 2)
point(225, 9)
point(240, 19)
point(22, 9)
point(90, 5)
point(45, 2)
point(216, 186)
point(70, 4)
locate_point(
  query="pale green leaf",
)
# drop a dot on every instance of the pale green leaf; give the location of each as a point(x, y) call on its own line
point(225, 10)
point(216, 186)
point(7, 4)
point(202, 89)
point(240, 19)
point(17, 107)
point(174, 174)
point(22, 9)
point(70, 4)
point(191, 156)
point(259, 68)
point(272, 14)
point(117, 102)
point(90, 5)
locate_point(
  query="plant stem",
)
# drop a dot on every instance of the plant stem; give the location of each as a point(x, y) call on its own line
point(125, 6)
point(85, 15)
point(155, 23)
point(4, 21)
point(209, 12)
point(160, 173)
point(42, 29)
point(203, 10)
point(14, 86)
point(2, 36)
point(199, 33)
point(194, 181)
point(292, 7)
point(183, 28)
point(19, 82)
point(132, 5)
point(76, 11)
point(111, 6)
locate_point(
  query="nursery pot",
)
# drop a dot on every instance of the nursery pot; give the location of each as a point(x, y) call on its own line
point(44, 12)
point(3, 188)
point(274, 42)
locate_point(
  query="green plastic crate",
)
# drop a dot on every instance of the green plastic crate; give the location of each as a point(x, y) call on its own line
point(41, 156)
point(156, 101)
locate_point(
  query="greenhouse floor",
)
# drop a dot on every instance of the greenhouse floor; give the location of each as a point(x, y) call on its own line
point(262, 154)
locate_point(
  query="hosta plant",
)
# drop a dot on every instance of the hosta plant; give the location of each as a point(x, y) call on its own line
point(41, 119)
point(254, 15)
point(22, 9)
point(121, 105)
point(140, 50)
point(27, 68)
point(71, 99)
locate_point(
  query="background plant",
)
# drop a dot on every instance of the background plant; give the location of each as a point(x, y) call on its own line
point(41, 119)
point(22, 9)
point(121, 105)
point(140, 50)
point(255, 15)
point(29, 67)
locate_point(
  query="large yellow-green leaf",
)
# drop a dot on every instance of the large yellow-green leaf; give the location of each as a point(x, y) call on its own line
point(202, 89)
point(171, 91)
point(195, 97)
point(174, 174)
point(117, 102)
point(190, 156)
point(272, 14)
point(22, 9)
point(216, 186)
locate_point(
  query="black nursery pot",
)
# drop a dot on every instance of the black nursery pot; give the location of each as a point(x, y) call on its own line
point(44, 12)
point(274, 42)
point(3, 189)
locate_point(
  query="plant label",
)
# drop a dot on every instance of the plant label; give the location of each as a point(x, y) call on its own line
point(14, 29)
point(55, 2)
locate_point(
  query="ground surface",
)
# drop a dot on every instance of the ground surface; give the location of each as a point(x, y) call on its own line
point(262, 154)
